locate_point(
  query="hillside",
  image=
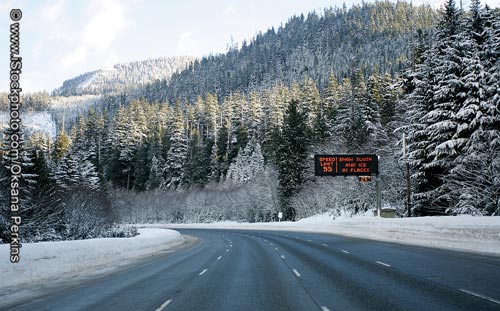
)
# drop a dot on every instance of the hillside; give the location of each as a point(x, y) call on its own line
point(372, 37)
point(123, 77)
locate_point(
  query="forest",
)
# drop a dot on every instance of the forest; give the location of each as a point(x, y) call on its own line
point(241, 148)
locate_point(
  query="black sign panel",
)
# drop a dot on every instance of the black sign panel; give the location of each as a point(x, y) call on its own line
point(345, 164)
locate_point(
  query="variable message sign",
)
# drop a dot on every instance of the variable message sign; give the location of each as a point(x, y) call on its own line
point(346, 165)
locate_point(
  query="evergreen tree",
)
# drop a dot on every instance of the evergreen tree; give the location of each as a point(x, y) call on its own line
point(173, 173)
point(61, 145)
point(331, 103)
point(416, 105)
point(291, 157)
point(473, 179)
point(353, 123)
point(248, 165)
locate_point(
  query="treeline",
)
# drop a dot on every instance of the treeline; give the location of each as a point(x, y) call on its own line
point(37, 101)
point(245, 158)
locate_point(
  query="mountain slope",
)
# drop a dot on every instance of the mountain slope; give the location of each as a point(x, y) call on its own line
point(123, 76)
point(372, 36)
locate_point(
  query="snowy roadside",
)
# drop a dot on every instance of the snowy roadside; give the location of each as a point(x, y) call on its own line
point(465, 233)
point(51, 261)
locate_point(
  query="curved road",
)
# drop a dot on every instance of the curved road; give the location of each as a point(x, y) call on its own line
point(254, 270)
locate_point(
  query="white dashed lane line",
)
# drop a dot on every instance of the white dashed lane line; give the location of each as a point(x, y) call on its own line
point(383, 264)
point(164, 305)
point(296, 273)
point(218, 258)
point(203, 272)
point(283, 257)
point(323, 308)
point(276, 248)
point(227, 250)
point(480, 296)
point(344, 251)
point(324, 244)
point(309, 240)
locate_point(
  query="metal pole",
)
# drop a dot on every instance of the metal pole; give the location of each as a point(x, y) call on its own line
point(408, 184)
point(408, 189)
point(379, 197)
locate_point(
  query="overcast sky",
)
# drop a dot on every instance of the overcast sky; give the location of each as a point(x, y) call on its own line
point(61, 38)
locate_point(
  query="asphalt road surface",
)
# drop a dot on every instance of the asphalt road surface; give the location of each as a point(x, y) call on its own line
point(257, 270)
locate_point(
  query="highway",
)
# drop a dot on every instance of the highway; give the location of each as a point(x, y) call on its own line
point(238, 270)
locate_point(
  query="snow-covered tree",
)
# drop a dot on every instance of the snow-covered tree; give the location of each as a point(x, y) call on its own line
point(173, 172)
point(291, 156)
point(248, 165)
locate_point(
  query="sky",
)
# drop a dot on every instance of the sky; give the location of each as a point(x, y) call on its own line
point(60, 39)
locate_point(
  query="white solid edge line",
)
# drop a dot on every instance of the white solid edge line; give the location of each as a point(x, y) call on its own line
point(323, 308)
point(344, 251)
point(166, 303)
point(480, 296)
point(203, 272)
point(383, 264)
point(296, 272)
point(218, 258)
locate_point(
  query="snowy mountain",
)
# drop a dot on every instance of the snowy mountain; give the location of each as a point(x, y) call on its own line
point(124, 76)
point(375, 37)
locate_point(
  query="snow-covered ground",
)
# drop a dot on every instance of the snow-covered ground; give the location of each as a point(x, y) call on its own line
point(73, 260)
point(466, 233)
point(51, 261)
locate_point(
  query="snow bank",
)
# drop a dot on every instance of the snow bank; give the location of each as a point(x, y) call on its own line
point(466, 233)
point(45, 261)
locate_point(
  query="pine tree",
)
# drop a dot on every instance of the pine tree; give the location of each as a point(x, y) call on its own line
point(61, 145)
point(291, 157)
point(474, 178)
point(309, 101)
point(255, 118)
point(248, 165)
point(331, 103)
point(76, 170)
point(353, 120)
point(417, 103)
point(173, 173)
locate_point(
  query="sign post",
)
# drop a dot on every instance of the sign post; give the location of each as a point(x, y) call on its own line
point(379, 198)
point(280, 215)
point(407, 173)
